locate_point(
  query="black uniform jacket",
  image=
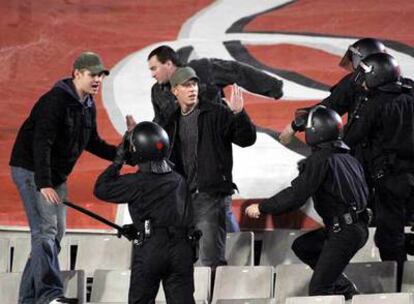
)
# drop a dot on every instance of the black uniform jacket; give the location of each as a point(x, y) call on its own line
point(332, 177)
point(55, 134)
point(388, 122)
point(161, 198)
point(214, 75)
point(218, 128)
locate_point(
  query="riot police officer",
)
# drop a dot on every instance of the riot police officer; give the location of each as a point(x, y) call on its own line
point(335, 180)
point(346, 96)
point(160, 209)
point(388, 122)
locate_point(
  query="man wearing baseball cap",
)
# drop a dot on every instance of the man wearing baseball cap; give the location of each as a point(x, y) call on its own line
point(202, 133)
point(61, 125)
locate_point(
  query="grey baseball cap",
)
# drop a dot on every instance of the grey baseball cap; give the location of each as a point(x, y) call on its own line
point(182, 75)
point(90, 61)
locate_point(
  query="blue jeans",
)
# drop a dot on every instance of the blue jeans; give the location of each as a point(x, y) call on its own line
point(210, 218)
point(41, 281)
point(231, 222)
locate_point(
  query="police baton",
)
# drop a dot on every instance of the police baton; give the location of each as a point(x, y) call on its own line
point(128, 231)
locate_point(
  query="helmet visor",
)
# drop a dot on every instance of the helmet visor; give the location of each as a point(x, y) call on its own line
point(360, 73)
point(351, 59)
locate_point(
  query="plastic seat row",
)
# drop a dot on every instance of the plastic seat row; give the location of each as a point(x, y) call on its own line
point(233, 284)
point(107, 252)
point(99, 251)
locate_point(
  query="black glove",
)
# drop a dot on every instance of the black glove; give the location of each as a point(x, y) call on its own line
point(121, 150)
point(120, 155)
point(301, 117)
point(128, 231)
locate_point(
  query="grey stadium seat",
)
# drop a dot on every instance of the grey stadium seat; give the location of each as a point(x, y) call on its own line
point(21, 253)
point(276, 247)
point(385, 298)
point(243, 283)
point(4, 255)
point(316, 300)
point(373, 277)
point(110, 286)
point(102, 252)
point(202, 286)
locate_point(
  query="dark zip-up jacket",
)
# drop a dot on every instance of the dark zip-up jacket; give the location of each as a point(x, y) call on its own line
point(214, 75)
point(332, 177)
point(161, 198)
point(218, 128)
point(55, 134)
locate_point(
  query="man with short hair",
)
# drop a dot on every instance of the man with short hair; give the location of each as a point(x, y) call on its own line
point(202, 133)
point(214, 75)
point(61, 125)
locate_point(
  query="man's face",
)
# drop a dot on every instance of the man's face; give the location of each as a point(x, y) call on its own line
point(88, 83)
point(160, 71)
point(186, 93)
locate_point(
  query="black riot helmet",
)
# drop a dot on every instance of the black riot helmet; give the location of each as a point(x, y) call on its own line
point(377, 70)
point(323, 125)
point(360, 50)
point(148, 142)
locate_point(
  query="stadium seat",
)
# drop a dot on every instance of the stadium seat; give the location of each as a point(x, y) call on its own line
point(249, 301)
point(408, 277)
point(276, 247)
point(102, 252)
point(202, 283)
point(316, 300)
point(374, 277)
point(110, 286)
point(74, 284)
point(384, 298)
point(243, 283)
point(9, 286)
point(368, 253)
point(4, 255)
point(21, 250)
point(240, 248)
point(292, 281)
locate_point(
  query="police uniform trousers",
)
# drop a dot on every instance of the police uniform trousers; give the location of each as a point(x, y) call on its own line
point(167, 258)
point(328, 252)
point(392, 197)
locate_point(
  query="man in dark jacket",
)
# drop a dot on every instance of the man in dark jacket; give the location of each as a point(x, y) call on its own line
point(388, 123)
point(214, 75)
point(202, 134)
point(160, 208)
point(61, 125)
point(335, 181)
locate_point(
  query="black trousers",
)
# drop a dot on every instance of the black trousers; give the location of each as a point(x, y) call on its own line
point(393, 195)
point(328, 253)
point(165, 259)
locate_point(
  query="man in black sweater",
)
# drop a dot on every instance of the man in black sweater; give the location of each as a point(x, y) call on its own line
point(335, 181)
point(61, 125)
